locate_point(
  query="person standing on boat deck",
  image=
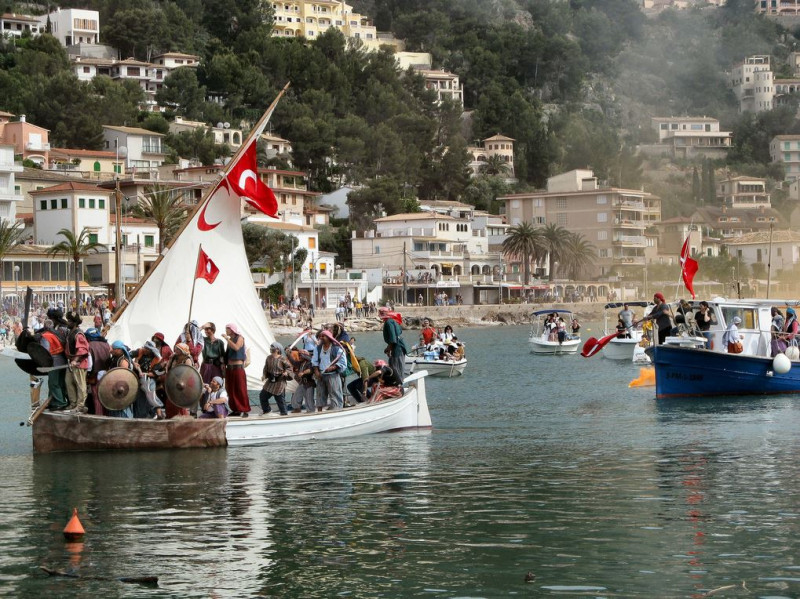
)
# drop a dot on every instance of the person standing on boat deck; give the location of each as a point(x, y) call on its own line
point(54, 342)
point(236, 379)
point(277, 370)
point(703, 318)
point(215, 399)
point(213, 355)
point(395, 346)
point(120, 358)
point(304, 375)
point(428, 333)
point(627, 317)
point(777, 344)
point(732, 339)
point(661, 315)
point(358, 387)
point(100, 351)
point(576, 328)
point(790, 327)
point(561, 330)
point(329, 363)
point(77, 352)
point(192, 336)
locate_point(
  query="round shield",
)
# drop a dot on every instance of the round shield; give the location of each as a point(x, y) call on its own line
point(40, 355)
point(183, 386)
point(117, 389)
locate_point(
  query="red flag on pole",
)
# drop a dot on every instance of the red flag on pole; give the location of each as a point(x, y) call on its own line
point(206, 269)
point(244, 180)
point(688, 267)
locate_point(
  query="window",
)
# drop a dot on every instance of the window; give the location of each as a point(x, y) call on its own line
point(759, 257)
point(602, 235)
point(91, 202)
point(602, 199)
point(561, 219)
point(149, 241)
point(43, 205)
point(101, 204)
point(92, 237)
point(561, 203)
point(312, 243)
point(602, 217)
point(53, 204)
point(780, 252)
point(377, 249)
point(602, 252)
point(81, 202)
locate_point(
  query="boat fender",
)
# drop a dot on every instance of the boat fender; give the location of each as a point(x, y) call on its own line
point(781, 364)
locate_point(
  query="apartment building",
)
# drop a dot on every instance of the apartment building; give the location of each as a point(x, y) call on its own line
point(140, 150)
point(613, 219)
point(785, 149)
point(689, 137)
point(10, 195)
point(752, 83)
point(497, 145)
point(222, 132)
point(312, 18)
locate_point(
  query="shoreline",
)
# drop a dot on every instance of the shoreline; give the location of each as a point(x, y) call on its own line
point(456, 316)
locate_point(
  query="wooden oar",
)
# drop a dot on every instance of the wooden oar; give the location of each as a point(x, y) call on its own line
point(38, 411)
point(593, 345)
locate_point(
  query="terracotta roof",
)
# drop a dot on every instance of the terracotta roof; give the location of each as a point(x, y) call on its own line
point(498, 137)
point(77, 153)
point(69, 186)
point(133, 130)
point(762, 237)
point(413, 216)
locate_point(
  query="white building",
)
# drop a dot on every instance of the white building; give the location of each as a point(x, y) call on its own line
point(754, 248)
point(10, 194)
point(785, 149)
point(752, 83)
point(143, 152)
point(13, 25)
point(73, 26)
point(222, 132)
point(687, 137)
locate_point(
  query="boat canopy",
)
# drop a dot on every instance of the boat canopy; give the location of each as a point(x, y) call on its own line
point(621, 304)
point(551, 311)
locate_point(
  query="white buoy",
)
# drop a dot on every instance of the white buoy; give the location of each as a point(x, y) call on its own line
point(781, 364)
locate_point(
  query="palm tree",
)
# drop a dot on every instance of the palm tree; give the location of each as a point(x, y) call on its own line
point(526, 241)
point(494, 165)
point(76, 248)
point(10, 237)
point(578, 255)
point(165, 207)
point(556, 238)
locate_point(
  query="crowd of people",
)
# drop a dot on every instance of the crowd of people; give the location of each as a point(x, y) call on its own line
point(320, 364)
point(442, 342)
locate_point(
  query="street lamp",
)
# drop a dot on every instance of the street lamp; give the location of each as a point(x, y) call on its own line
point(16, 282)
point(294, 242)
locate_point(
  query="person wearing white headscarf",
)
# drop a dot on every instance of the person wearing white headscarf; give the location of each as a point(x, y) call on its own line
point(732, 339)
point(192, 336)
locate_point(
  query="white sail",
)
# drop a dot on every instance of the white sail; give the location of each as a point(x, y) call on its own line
point(161, 302)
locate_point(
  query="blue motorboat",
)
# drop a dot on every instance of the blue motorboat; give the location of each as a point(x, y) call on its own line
point(689, 372)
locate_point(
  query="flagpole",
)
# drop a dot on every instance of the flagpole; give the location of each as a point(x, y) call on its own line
point(255, 132)
point(194, 283)
point(680, 257)
point(769, 260)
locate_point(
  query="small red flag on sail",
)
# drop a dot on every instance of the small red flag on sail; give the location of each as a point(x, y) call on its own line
point(206, 269)
point(244, 180)
point(688, 267)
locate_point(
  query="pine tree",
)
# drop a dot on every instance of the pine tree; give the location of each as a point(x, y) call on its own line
point(696, 197)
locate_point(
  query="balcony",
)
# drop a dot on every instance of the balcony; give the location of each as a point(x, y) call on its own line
point(629, 260)
point(629, 223)
point(630, 240)
point(629, 204)
point(37, 146)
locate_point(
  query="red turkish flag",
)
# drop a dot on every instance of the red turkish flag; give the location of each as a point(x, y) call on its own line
point(688, 267)
point(206, 269)
point(243, 178)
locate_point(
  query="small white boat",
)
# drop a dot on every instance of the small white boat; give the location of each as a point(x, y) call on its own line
point(541, 340)
point(427, 358)
point(623, 348)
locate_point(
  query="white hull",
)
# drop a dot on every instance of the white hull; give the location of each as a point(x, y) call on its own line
point(553, 348)
point(408, 411)
point(448, 368)
point(620, 349)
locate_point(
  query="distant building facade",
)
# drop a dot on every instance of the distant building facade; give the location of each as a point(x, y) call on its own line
point(689, 137)
point(752, 83)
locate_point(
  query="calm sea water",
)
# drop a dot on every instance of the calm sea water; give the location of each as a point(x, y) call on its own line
point(535, 464)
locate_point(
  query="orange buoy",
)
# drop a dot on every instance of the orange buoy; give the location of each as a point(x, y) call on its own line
point(646, 378)
point(73, 531)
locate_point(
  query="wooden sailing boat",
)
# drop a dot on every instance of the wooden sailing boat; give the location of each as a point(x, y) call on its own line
point(205, 267)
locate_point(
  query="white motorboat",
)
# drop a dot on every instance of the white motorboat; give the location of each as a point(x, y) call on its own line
point(623, 348)
point(543, 340)
point(429, 359)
